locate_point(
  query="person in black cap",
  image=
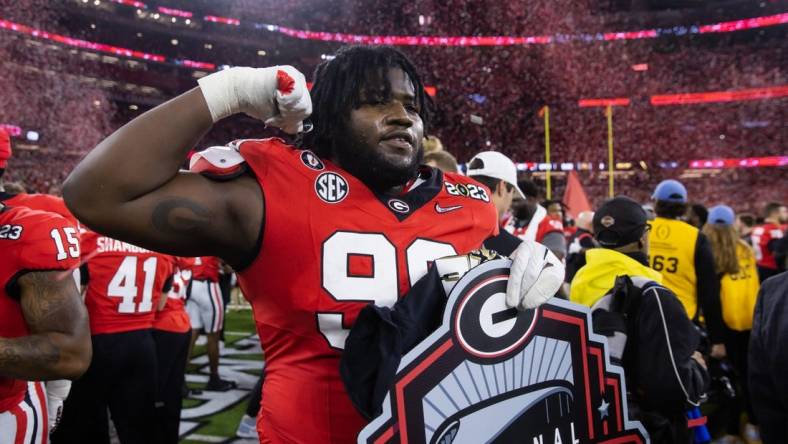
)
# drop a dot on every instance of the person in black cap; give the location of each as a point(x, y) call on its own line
point(649, 331)
point(621, 229)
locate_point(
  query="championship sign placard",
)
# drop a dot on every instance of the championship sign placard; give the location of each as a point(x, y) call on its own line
point(491, 374)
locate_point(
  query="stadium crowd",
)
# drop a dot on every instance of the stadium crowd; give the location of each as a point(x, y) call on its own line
point(688, 264)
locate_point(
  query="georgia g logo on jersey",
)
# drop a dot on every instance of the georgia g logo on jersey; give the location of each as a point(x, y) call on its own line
point(311, 161)
point(399, 206)
point(331, 187)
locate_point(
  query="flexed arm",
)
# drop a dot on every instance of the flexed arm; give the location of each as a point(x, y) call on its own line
point(129, 186)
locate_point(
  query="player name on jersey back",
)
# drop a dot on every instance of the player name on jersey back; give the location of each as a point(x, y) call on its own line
point(109, 245)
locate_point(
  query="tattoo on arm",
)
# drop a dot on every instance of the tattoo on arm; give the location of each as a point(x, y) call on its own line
point(180, 216)
point(53, 311)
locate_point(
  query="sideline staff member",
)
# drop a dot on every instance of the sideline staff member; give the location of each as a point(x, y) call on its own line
point(683, 255)
point(665, 374)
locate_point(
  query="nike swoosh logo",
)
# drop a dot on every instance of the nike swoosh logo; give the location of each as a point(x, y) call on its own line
point(442, 210)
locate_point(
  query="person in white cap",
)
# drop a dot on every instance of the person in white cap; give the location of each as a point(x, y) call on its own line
point(498, 173)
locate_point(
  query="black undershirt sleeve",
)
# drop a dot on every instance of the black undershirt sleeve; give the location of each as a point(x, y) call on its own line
point(708, 285)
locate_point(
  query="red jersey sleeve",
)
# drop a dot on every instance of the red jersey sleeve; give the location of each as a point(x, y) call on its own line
point(49, 242)
point(548, 225)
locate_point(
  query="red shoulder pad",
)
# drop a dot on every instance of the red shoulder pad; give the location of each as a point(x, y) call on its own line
point(218, 162)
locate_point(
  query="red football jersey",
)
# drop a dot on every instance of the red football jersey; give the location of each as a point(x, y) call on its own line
point(124, 283)
point(173, 316)
point(329, 247)
point(29, 241)
point(206, 268)
point(547, 225)
point(43, 202)
point(761, 236)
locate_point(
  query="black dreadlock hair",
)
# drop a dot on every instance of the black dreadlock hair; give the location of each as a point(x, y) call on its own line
point(339, 84)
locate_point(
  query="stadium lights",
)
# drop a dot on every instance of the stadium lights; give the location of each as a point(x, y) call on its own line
point(175, 12)
point(207, 46)
point(615, 101)
point(261, 52)
point(174, 41)
point(720, 96)
point(12, 130)
point(188, 21)
point(224, 20)
point(422, 40)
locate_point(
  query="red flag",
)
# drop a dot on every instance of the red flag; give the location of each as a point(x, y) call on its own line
point(575, 196)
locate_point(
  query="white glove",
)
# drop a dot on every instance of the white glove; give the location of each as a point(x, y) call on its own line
point(277, 95)
point(535, 276)
point(57, 392)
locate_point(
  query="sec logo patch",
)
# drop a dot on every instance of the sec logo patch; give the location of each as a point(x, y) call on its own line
point(331, 187)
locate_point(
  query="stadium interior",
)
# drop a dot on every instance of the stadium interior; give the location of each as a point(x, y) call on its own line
point(96, 64)
point(645, 90)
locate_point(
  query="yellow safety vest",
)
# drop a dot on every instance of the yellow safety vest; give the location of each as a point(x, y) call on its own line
point(599, 274)
point(738, 292)
point(672, 253)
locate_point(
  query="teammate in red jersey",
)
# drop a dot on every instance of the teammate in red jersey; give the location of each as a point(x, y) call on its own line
point(206, 312)
point(56, 390)
point(315, 234)
point(124, 288)
point(44, 331)
point(172, 335)
point(765, 238)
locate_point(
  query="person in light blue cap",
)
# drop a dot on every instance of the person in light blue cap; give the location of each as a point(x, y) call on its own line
point(734, 264)
point(683, 255)
point(670, 191)
point(721, 215)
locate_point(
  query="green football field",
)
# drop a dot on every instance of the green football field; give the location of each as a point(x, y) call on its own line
point(214, 416)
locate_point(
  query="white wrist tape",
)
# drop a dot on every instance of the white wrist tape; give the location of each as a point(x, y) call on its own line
point(57, 392)
point(220, 90)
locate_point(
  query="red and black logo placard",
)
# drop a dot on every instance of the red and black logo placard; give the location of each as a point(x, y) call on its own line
point(491, 374)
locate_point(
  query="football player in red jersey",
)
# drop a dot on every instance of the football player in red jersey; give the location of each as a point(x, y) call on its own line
point(44, 331)
point(206, 312)
point(314, 234)
point(124, 289)
point(172, 334)
point(56, 390)
point(765, 237)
